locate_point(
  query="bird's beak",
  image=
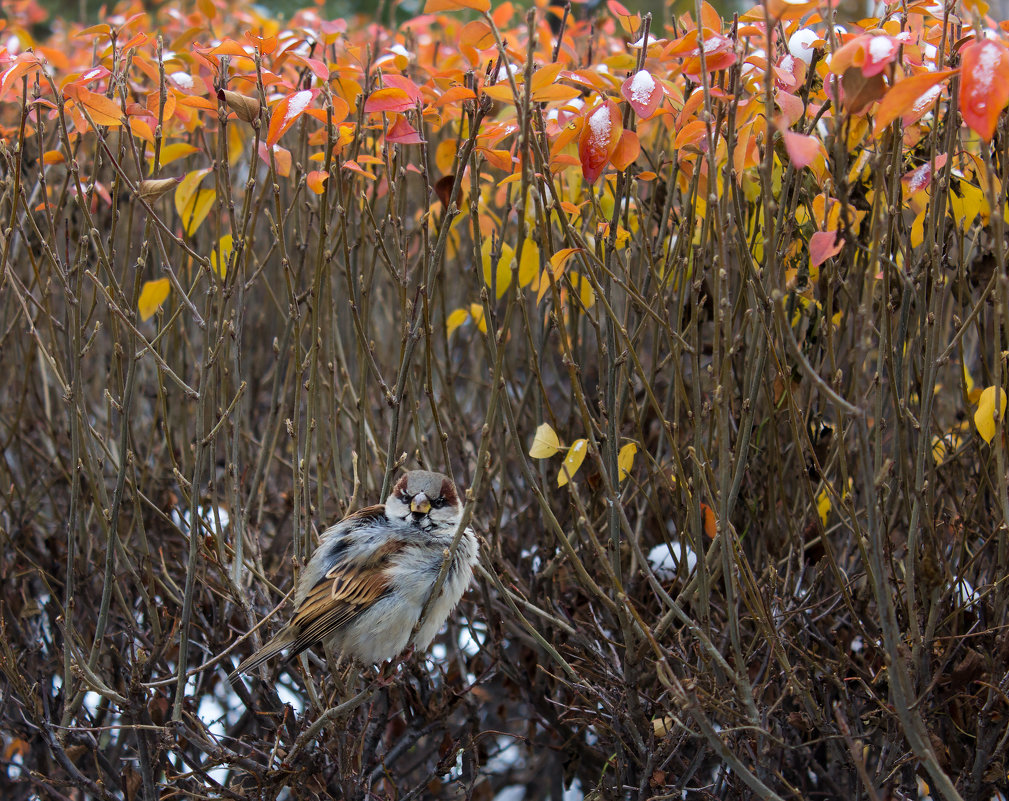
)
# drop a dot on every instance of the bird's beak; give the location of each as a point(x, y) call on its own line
point(420, 504)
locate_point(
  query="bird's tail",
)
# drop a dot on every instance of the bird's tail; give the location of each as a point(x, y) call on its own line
point(281, 641)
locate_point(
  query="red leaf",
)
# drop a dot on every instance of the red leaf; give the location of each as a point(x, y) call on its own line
point(823, 245)
point(984, 85)
point(402, 133)
point(599, 139)
point(643, 93)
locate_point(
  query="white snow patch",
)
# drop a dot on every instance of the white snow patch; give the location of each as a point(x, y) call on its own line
point(984, 70)
point(665, 560)
point(857, 644)
point(502, 72)
point(926, 100)
point(642, 43)
point(399, 50)
point(642, 86)
point(800, 44)
point(182, 79)
point(298, 103)
point(787, 64)
point(920, 178)
point(602, 130)
point(881, 47)
point(965, 593)
point(208, 516)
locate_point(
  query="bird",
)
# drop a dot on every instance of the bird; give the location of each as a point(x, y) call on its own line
point(366, 584)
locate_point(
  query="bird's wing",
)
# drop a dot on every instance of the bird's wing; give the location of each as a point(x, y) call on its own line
point(347, 589)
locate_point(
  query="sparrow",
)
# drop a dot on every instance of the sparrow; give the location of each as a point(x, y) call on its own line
point(366, 584)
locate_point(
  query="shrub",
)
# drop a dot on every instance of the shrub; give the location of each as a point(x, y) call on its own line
point(711, 319)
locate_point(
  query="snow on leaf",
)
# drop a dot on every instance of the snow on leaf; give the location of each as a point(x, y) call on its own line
point(984, 85)
point(643, 93)
point(286, 113)
point(599, 138)
point(574, 459)
point(904, 97)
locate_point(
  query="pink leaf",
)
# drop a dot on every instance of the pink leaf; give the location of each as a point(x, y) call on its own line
point(823, 245)
point(801, 149)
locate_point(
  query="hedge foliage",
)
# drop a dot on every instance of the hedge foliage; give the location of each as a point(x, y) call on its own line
point(710, 317)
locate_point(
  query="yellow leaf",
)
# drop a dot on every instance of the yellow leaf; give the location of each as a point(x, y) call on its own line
point(545, 442)
point(476, 312)
point(454, 320)
point(172, 152)
point(559, 259)
point(574, 459)
point(823, 506)
point(529, 266)
point(502, 276)
point(197, 212)
point(152, 295)
point(625, 459)
point(943, 446)
point(968, 204)
point(186, 189)
point(918, 228)
point(973, 393)
point(220, 257)
point(985, 417)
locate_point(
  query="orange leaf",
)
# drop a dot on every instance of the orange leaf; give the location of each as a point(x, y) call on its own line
point(545, 76)
point(434, 6)
point(502, 159)
point(286, 113)
point(391, 99)
point(455, 94)
point(476, 34)
point(906, 95)
point(984, 85)
point(627, 150)
point(316, 180)
point(710, 522)
point(103, 111)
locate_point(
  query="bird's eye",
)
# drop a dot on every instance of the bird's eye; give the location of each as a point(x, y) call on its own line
point(438, 503)
point(405, 497)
